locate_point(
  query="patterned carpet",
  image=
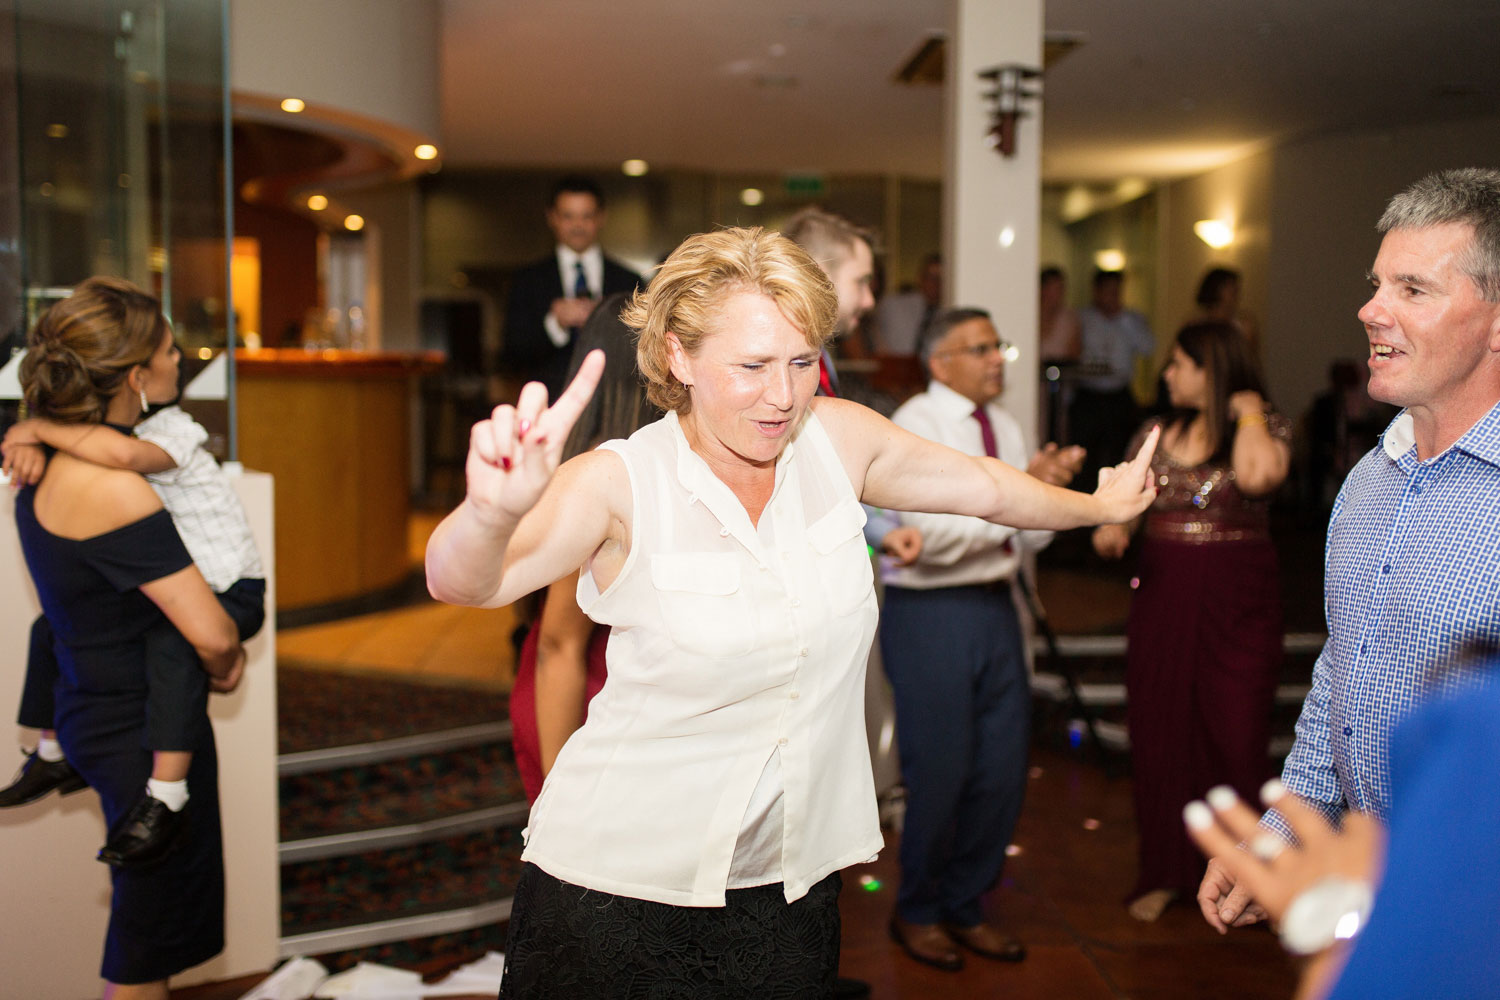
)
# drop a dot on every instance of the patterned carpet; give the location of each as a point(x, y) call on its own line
point(405, 882)
point(427, 786)
point(321, 708)
point(325, 708)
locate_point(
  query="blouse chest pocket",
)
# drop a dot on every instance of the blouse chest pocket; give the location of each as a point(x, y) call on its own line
point(703, 604)
point(843, 559)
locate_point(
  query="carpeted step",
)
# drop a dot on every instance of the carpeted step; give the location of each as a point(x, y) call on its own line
point(432, 877)
point(326, 708)
point(1296, 666)
point(406, 790)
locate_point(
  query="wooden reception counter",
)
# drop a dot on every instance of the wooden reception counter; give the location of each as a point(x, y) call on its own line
point(334, 429)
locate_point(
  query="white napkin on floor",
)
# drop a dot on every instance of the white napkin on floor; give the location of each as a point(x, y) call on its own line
point(367, 981)
point(481, 978)
point(295, 980)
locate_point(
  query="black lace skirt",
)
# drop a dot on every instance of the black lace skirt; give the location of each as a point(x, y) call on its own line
point(569, 942)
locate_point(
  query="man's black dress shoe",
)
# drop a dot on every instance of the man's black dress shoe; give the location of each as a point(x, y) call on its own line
point(149, 832)
point(37, 777)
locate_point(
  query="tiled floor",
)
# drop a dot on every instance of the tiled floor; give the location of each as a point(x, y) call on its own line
point(432, 642)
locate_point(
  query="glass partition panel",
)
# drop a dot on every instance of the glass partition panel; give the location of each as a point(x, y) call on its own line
point(117, 112)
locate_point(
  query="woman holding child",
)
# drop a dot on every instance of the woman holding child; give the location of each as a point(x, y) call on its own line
point(110, 568)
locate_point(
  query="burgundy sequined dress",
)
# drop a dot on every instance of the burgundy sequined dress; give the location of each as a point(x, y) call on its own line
point(1205, 637)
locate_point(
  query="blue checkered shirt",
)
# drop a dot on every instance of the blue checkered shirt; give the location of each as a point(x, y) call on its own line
point(1412, 597)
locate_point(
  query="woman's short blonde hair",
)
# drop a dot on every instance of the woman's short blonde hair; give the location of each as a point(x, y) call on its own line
point(693, 282)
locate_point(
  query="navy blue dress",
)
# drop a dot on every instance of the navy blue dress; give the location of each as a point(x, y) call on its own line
point(168, 917)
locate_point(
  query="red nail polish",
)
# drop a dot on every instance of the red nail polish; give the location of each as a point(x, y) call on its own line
point(505, 462)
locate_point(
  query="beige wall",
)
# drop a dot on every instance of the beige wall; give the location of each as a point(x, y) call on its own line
point(1304, 216)
point(375, 58)
point(1328, 193)
point(1239, 193)
point(56, 894)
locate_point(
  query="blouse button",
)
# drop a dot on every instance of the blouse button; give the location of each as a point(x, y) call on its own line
point(796, 603)
point(802, 651)
point(794, 695)
point(723, 532)
point(781, 742)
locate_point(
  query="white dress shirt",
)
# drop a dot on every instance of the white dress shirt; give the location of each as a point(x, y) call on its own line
point(958, 550)
point(736, 682)
point(567, 269)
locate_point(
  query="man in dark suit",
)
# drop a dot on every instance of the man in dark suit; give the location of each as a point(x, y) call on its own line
point(550, 299)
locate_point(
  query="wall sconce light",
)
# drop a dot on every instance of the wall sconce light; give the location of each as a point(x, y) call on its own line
point(634, 168)
point(1012, 85)
point(1110, 260)
point(1217, 233)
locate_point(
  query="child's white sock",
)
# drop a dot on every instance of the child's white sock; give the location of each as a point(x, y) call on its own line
point(172, 794)
point(49, 750)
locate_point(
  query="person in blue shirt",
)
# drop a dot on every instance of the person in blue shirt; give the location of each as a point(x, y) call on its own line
point(1425, 931)
point(1412, 566)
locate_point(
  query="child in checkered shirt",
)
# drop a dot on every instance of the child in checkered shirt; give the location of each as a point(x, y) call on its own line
point(168, 448)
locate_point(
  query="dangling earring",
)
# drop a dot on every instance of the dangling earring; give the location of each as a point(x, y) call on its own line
point(145, 403)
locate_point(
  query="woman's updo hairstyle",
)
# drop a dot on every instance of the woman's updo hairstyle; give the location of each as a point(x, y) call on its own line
point(82, 348)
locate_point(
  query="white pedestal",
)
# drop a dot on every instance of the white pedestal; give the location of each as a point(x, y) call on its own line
point(56, 894)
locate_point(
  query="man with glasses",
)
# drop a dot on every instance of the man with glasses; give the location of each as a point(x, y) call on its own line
point(951, 643)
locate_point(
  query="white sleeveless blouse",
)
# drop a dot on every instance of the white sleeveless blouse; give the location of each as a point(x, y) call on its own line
point(723, 651)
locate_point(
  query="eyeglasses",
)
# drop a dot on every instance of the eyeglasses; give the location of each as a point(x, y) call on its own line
point(982, 351)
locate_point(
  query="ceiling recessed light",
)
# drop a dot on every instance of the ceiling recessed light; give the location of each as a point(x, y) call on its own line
point(634, 168)
point(426, 151)
point(752, 196)
point(292, 105)
point(317, 202)
point(354, 223)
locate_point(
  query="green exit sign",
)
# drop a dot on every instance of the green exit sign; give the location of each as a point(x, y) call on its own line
point(805, 185)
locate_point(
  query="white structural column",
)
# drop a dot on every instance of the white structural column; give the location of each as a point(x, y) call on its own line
point(992, 202)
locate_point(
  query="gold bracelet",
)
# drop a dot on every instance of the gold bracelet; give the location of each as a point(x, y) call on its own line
point(1251, 420)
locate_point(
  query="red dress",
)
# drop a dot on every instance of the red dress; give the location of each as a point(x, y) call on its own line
point(524, 736)
point(1205, 649)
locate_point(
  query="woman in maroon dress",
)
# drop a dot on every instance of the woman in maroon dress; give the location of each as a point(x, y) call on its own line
point(561, 666)
point(1205, 627)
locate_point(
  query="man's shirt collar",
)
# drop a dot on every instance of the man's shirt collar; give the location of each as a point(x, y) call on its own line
point(1481, 440)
